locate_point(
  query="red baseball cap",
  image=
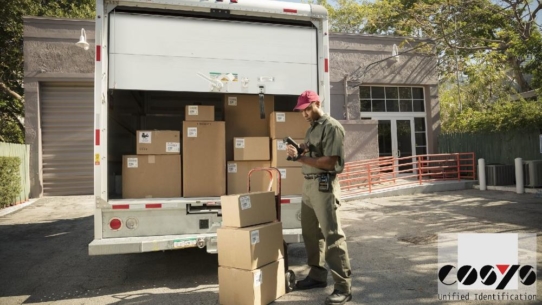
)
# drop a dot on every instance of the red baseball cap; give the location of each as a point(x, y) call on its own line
point(305, 99)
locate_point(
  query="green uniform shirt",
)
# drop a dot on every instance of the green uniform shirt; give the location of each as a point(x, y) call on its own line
point(325, 137)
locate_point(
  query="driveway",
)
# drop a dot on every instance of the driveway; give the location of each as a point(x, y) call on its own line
point(392, 243)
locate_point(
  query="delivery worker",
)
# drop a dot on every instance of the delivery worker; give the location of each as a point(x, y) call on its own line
point(322, 156)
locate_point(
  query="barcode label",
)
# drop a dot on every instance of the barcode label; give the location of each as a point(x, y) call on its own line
point(239, 143)
point(245, 202)
point(192, 110)
point(232, 168)
point(280, 117)
point(192, 132)
point(255, 237)
point(131, 162)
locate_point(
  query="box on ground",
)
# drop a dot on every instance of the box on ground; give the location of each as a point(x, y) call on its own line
point(291, 181)
point(288, 124)
point(151, 176)
point(204, 163)
point(279, 155)
point(251, 247)
point(158, 142)
point(242, 114)
point(248, 209)
point(251, 287)
point(199, 113)
point(238, 177)
point(251, 149)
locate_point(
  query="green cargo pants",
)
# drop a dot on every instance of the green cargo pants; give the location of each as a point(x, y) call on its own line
point(324, 238)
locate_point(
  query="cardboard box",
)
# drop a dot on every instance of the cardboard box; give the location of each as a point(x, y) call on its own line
point(251, 148)
point(158, 142)
point(204, 161)
point(278, 154)
point(151, 176)
point(197, 113)
point(242, 115)
point(248, 209)
point(288, 124)
point(256, 287)
point(251, 247)
point(238, 177)
point(291, 181)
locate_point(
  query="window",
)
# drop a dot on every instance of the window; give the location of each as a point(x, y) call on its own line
point(391, 99)
point(420, 136)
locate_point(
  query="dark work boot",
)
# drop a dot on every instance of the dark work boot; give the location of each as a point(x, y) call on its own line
point(309, 283)
point(338, 297)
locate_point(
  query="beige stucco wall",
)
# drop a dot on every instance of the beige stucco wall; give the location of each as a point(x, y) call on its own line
point(51, 56)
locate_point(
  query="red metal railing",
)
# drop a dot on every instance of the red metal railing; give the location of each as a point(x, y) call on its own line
point(367, 176)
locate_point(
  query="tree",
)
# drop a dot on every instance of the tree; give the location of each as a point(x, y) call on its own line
point(11, 55)
point(487, 50)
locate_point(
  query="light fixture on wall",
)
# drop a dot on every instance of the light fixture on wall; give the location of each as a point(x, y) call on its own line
point(83, 40)
point(395, 53)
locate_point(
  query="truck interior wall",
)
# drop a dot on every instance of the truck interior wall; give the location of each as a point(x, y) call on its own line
point(131, 110)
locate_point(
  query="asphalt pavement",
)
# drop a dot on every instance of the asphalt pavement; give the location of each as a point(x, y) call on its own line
point(392, 244)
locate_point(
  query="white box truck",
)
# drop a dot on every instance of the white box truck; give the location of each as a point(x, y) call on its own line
point(154, 57)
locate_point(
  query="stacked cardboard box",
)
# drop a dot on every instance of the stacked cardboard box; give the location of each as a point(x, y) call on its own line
point(250, 250)
point(247, 142)
point(155, 170)
point(282, 125)
point(204, 150)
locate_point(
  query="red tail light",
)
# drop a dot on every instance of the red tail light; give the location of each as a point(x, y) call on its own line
point(115, 224)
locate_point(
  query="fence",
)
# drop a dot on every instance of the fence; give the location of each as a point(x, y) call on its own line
point(23, 152)
point(367, 176)
point(495, 148)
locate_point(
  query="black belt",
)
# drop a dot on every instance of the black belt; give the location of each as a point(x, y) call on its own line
point(315, 176)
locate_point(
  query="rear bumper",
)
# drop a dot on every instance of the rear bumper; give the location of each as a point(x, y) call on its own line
point(168, 242)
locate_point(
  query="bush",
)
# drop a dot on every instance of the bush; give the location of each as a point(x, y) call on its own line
point(10, 180)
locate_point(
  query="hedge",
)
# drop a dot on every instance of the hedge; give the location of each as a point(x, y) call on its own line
point(10, 180)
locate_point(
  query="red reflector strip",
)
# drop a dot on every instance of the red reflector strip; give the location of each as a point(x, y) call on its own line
point(290, 10)
point(121, 206)
point(153, 206)
point(97, 137)
point(326, 65)
point(285, 201)
point(98, 53)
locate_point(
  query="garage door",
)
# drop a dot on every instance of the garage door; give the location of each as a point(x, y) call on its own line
point(67, 138)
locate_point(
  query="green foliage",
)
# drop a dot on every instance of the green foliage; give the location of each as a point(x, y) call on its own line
point(11, 54)
point(10, 180)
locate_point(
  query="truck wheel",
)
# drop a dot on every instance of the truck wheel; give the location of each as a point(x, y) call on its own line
point(290, 281)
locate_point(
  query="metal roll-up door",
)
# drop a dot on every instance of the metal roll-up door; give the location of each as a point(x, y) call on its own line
point(67, 138)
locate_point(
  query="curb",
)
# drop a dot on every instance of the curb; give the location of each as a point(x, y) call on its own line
point(9, 210)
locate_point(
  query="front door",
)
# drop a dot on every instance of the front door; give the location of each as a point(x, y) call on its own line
point(396, 138)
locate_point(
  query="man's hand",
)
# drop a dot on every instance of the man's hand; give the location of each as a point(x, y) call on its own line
point(292, 151)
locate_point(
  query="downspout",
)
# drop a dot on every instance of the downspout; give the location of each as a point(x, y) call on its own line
point(346, 108)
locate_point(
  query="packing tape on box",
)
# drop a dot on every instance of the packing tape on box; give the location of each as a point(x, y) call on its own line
point(151, 159)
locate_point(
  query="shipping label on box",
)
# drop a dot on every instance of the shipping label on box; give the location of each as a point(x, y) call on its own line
point(251, 247)
point(248, 209)
point(158, 142)
point(251, 287)
point(251, 148)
